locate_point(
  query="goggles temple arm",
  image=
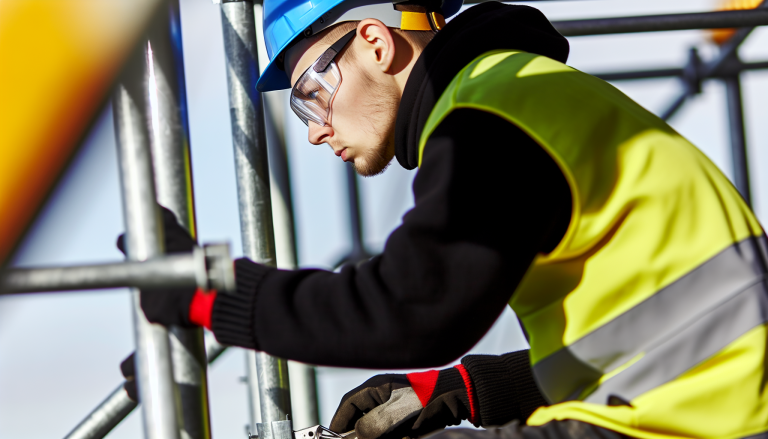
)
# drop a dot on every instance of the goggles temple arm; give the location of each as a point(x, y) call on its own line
point(325, 59)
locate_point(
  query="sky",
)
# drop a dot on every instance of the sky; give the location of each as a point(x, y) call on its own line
point(60, 352)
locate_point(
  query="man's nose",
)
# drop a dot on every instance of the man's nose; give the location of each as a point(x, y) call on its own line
point(319, 134)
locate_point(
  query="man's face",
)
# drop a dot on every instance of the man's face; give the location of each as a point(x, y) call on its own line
point(363, 112)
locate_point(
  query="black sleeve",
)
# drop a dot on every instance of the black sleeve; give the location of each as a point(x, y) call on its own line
point(487, 200)
point(504, 387)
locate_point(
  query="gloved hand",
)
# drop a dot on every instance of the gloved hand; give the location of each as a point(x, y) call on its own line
point(168, 306)
point(128, 369)
point(412, 405)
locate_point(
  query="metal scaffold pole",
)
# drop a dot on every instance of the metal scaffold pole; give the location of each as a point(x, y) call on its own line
point(173, 177)
point(726, 53)
point(738, 138)
point(144, 239)
point(251, 164)
point(105, 417)
point(304, 408)
point(358, 252)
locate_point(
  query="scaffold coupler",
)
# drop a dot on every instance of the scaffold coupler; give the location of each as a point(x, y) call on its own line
point(278, 431)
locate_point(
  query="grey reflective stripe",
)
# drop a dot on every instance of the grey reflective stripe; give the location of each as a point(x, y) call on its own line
point(758, 436)
point(652, 324)
point(693, 344)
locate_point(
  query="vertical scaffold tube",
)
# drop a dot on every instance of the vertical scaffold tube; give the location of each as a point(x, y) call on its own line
point(738, 138)
point(250, 147)
point(169, 133)
point(303, 377)
point(144, 233)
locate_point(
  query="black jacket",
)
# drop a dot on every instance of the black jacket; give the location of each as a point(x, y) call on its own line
point(488, 199)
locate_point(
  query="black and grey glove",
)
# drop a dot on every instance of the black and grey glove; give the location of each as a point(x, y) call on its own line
point(128, 369)
point(412, 405)
point(168, 306)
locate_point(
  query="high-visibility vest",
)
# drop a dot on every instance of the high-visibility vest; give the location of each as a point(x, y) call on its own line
point(649, 318)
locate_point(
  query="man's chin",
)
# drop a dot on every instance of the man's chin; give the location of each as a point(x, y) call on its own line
point(370, 168)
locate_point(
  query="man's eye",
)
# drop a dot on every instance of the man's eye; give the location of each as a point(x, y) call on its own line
point(313, 94)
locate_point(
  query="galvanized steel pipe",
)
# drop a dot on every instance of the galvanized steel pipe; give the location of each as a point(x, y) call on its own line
point(106, 416)
point(173, 177)
point(303, 378)
point(187, 270)
point(144, 240)
point(251, 165)
point(727, 51)
point(739, 153)
point(658, 23)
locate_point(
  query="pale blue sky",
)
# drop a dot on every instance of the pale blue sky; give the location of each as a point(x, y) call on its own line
point(59, 353)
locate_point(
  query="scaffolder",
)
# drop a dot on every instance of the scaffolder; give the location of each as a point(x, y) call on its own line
point(149, 105)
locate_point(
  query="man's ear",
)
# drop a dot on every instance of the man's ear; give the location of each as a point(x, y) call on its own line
point(376, 43)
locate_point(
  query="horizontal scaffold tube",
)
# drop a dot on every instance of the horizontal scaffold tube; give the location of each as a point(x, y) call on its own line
point(207, 268)
point(729, 69)
point(657, 23)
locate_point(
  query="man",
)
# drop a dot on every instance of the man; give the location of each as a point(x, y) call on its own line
point(633, 264)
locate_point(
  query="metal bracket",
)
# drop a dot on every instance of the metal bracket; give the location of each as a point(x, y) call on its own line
point(275, 430)
point(693, 72)
point(219, 269)
point(282, 430)
point(320, 432)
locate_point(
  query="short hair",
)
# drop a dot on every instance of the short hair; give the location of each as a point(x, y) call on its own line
point(417, 38)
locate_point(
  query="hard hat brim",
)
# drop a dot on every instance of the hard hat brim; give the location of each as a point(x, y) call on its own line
point(273, 78)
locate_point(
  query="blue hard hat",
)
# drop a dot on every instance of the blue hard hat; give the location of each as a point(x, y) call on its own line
point(287, 20)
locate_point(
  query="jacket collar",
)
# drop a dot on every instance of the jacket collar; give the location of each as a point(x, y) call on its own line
point(482, 28)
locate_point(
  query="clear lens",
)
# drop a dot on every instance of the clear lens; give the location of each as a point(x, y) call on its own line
point(313, 93)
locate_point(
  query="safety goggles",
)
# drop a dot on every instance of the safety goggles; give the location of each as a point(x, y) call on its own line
point(313, 93)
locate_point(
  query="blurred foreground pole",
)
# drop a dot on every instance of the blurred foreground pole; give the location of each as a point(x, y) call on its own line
point(169, 133)
point(738, 138)
point(144, 238)
point(253, 189)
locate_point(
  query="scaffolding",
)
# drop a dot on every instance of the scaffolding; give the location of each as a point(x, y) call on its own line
point(150, 117)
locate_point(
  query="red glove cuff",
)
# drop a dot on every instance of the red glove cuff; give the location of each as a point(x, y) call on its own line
point(474, 415)
point(201, 307)
point(423, 383)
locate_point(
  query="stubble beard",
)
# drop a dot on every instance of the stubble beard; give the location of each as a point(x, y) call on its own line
point(381, 117)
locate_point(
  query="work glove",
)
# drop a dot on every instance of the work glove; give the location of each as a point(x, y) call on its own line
point(128, 369)
point(168, 306)
point(412, 405)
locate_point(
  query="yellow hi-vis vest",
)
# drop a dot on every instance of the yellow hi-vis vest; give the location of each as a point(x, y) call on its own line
point(656, 295)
